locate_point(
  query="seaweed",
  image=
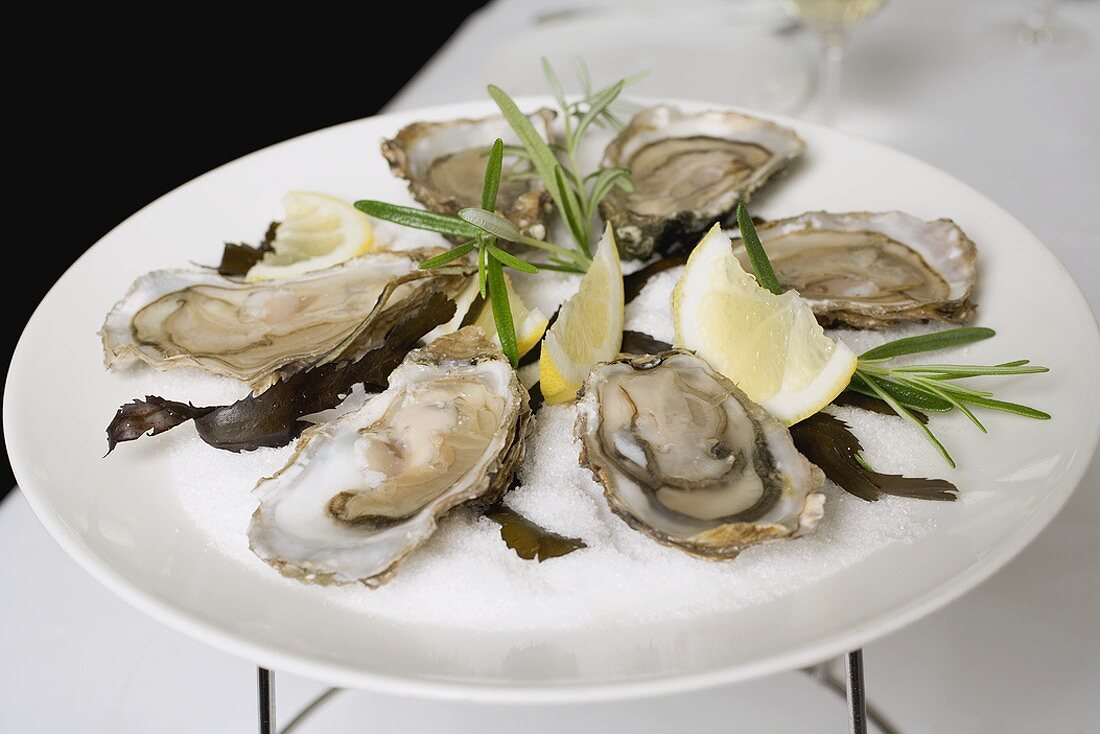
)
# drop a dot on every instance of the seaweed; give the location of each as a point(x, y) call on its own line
point(852, 399)
point(239, 257)
point(637, 342)
point(529, 540)
point(826, 441)
point(275, 416)
point(150, 416)
point(535, 398)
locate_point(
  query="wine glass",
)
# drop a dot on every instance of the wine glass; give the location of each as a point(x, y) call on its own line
point(1039, 26)
point(833, 21)
point(1041, 34)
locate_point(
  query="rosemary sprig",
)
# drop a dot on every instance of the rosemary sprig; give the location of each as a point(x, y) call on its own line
point(576, 194)
point(481, 228)
point(904, 386)
point(612, 115)
point(761, 265)
point(908, 388)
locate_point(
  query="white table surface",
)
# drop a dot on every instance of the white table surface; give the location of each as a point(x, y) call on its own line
point(1021, 653)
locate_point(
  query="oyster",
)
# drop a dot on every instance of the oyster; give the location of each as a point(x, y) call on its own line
point(444, 163)
point(689, 170)
point(260, 332)
point(361, 492)
point(686, 458)
point(870, 270)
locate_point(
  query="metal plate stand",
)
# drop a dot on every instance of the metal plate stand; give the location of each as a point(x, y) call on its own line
point(852, 688)
point(266, 683)
point(857, 704)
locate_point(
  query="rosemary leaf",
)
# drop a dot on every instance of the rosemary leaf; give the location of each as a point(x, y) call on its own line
point(494, 224)
point(507, 258)
point(502, 310)
point(541, 156)
point(953, 371)
point(759, 259)
point(561, 255)
point(909, 398)
point(904, 413)
point(603, 181)
point(921, 384)
point(1007, 407)
point(515, 151)
point(596, 105)
point(417, 218)
point(553, 82)
point(581, 70)
point(570, 178)
point(448, 256)
point(603, 172)
point(522, 176)
point(482, 283)
point(928, 342)
point(958, 390)
point(570, 209)
point(863, 464)
point(559, 267)
point(491, 183)
point(853, 399)
point(610, 119)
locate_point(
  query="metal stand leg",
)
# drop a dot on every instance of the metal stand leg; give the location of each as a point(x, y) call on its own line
point(312, 706)
point(266, 680)
point(266, 689)
point(857, 704)
point(823, 674)
point(858, 710)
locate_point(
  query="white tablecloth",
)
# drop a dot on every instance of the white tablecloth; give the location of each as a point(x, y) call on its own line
point(1019, 654)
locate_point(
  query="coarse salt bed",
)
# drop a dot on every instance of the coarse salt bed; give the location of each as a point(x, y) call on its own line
point(650, 312)
point(475, 581)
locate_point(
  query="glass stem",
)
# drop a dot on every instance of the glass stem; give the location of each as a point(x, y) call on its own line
point(1040, 25)
point(831, 73)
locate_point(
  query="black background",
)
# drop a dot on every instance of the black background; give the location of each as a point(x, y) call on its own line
point(110, 113)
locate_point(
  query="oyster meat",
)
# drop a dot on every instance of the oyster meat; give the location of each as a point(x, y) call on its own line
point(873, 269)
point(689, 171)
point(686, 458)
point(444, 163)
point(361, 492)
point(260, 332)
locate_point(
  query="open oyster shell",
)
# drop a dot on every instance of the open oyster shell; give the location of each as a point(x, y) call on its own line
point(686, 458)
point(689, 170)
point(444, 163)
point(260, 332)
point(873, 269)
point(361, 492)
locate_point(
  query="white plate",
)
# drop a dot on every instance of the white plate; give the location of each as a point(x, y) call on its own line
point(121, 520)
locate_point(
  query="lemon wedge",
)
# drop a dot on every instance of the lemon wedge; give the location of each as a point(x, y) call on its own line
point(771, 346)
point(530, 323)
point(318, 231)
point(589, 328)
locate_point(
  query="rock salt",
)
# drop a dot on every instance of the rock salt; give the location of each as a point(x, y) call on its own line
point(474, 580)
